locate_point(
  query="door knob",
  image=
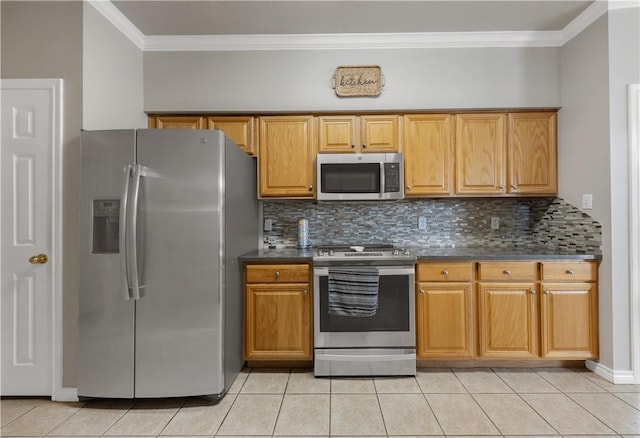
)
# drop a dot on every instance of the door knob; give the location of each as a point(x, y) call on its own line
point(39, 259)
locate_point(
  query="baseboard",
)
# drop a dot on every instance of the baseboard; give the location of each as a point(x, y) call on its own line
point(613, 376)
point(65, 394)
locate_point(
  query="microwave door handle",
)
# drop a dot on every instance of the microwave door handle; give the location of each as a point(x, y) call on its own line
point(382, 192)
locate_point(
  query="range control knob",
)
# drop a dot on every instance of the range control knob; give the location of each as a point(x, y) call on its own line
point(331, 253)
point(320, 252)
point(396, 252)
point(406, 252)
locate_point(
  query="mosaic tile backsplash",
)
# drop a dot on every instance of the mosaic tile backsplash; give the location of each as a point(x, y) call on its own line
point(451, 223)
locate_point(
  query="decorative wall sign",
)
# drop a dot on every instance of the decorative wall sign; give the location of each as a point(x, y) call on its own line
point(350, 81)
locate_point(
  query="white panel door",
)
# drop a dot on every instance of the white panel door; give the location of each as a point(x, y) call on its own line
point(27, 214)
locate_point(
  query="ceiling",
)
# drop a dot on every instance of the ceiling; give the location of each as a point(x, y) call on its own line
point(294, 17)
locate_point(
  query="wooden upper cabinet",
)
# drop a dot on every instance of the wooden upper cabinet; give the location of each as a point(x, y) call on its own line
point(428, 154)
point(286, 157)
point(532, 153)
point(372, 133)
point(480, 154)
point(241, 130)
point(379, 133)
point(337, 134)
point(176, 122)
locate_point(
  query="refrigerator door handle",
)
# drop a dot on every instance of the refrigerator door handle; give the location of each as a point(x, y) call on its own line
point(133, 219)
point(124, 263)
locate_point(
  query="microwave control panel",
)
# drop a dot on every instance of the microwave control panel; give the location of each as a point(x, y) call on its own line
point(391, 177)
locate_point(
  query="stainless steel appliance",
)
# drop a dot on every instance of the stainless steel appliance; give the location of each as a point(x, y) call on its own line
point(381, 344)
point(165, 215)
point(360, 177)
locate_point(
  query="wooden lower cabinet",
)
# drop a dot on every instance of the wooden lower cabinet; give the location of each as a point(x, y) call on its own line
point(569, 310)
point(278, 317)
point(507, 320)
point(520, 310)
point(444, 310)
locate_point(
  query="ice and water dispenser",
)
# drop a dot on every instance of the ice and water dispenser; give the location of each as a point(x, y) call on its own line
point(106, 226)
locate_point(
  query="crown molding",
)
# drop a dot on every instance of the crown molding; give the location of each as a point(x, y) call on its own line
point(186, 43)
point(351, 41)
point(122, 23)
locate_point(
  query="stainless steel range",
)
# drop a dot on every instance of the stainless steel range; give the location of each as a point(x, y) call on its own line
point(364, 307)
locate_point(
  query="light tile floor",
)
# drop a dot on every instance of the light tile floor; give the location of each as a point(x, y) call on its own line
point(281, 402)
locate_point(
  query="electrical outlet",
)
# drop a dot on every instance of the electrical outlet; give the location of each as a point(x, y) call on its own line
point(587, 201)
point(422, 223)
point(495, 223)
point(268, 225)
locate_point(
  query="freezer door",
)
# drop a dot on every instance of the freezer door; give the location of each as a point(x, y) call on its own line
point(179, 317)
point(106, 324)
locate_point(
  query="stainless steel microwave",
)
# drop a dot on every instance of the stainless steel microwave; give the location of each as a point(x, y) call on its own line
point(359, 177)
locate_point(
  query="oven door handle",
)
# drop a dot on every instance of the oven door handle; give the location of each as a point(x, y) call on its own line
point(382, 270)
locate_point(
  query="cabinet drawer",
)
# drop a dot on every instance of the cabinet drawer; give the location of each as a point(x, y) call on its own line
point(277, 273)
point(569, 271)
point(499, 271)
point(457, 271)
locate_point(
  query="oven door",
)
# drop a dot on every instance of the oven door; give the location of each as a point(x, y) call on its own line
point(393, 325)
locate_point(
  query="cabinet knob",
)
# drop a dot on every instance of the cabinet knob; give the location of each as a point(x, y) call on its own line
point(353, 146)
point(547, 292)
point(533, 291)
point(513, 187)
point(310, 188)
point(570, 271)
point(502, 187)
point(364, 146)
point(277, 273)
point(305, 292)
point(506, 272)
point(408, 187)
point(445, 272)
point(421, 291)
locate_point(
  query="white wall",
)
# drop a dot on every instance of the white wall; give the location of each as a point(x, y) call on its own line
point(583, 147)
point(596, 67)
point(263, 81)
point(624, 69)
point(112, 76)
point(44, 40)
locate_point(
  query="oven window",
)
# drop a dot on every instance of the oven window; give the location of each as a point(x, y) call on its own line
point(392, 314)
point(350, 178)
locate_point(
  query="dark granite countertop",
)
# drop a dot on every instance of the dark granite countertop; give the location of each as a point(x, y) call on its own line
point(293, 255)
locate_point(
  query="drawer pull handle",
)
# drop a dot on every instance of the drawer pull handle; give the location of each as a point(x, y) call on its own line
point(547, 292)
point(506, 272)
point(445, 272)
point(570, 271)
point(422, 291)
point(277, 273)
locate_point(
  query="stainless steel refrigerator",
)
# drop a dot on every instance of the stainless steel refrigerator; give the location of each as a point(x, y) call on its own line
point(165, 215)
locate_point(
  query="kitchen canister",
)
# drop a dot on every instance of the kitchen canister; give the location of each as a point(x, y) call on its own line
point(303, 233)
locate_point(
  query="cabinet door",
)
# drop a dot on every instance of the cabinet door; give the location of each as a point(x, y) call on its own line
point(444, 320)
point(379, 133)
point(532, 153)
point(507, 320)
point(337, 134)
point(427, 155)
point(287, 157)
point(277, 322)
point(569, 321)
point(176, 122)
point(480, 154)
point(239, 129)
